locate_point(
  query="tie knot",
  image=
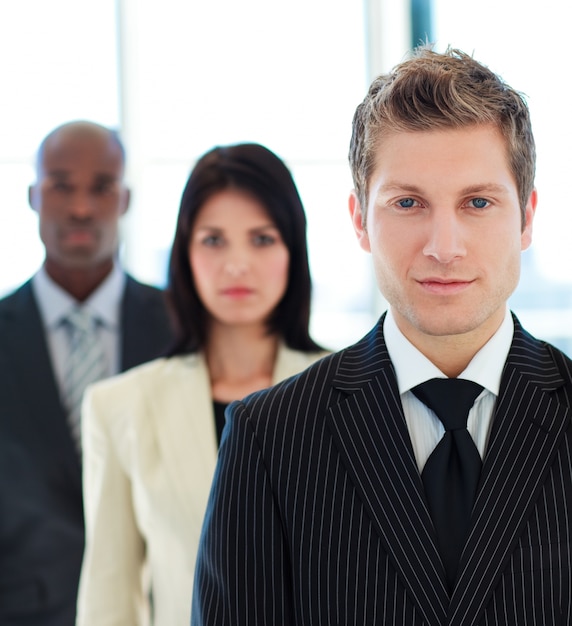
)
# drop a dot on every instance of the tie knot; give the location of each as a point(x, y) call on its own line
point(81, 320)
point(450, 398)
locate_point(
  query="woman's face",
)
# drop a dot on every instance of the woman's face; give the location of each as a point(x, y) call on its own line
point(238, 259)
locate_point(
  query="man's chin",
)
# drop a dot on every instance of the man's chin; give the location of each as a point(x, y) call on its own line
point(442, 324)
point(83, 260)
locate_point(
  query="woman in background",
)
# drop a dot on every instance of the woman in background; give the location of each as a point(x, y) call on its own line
point(240, 286)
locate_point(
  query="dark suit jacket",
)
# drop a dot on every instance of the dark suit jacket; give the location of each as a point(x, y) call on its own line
point(318, 517)
point(41, 515)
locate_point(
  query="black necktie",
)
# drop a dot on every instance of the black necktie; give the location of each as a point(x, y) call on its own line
point(452, 471)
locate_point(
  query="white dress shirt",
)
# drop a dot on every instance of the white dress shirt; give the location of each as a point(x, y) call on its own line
point(104, 303)
point(413, 368)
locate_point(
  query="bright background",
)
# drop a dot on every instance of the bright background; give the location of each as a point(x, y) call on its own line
point(180, 76)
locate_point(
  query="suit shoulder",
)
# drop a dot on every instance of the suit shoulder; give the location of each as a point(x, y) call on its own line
point(536, 356)
point(312, 386)
point(319, 366)
point(19, 297)
point(323, 383)
point(146, 322)
point(563, 361)
point(133, 286)
point(139, 298)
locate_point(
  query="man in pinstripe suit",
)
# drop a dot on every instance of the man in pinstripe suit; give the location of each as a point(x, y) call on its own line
point(318, 515)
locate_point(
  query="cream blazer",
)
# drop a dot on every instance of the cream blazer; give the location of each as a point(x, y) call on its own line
point(149, 453)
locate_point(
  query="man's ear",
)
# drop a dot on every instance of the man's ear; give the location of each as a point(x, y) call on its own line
point(32, 191)
point(530, 211)
point(358, 220)
point(125, 200)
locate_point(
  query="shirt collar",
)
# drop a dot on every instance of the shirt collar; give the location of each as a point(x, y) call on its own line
point(413, 368)
point(55, 303)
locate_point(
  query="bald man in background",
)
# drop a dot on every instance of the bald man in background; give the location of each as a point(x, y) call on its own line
point(79, 196)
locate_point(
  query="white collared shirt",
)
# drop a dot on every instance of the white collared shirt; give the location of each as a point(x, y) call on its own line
point(413, 368)
point(105, 303)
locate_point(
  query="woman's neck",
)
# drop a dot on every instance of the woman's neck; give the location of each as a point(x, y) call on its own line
point(240, 361)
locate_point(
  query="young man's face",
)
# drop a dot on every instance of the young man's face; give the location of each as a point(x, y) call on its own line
point(444, 229)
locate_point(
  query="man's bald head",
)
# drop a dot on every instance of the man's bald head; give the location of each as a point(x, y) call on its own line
point(79, 128)
point(79, 195)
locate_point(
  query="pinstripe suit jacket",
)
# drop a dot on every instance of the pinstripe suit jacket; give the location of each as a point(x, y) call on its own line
point(317, 514)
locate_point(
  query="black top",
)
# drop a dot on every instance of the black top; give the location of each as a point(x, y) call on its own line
point(219, 409)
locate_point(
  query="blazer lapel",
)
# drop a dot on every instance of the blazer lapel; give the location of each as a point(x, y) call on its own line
point(183, 421)
point(528, 426)
point(371, 434)
point(184, 425)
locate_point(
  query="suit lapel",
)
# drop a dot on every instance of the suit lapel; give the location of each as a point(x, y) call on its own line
point(371, 433)
point(133, 311)
point(28, 355)
point(528, 426)
point(145, 332)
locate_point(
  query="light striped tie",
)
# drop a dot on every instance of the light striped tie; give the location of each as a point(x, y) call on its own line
point(86, 364)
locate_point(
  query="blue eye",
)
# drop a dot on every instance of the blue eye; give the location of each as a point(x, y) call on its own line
point(406, 203)
point(479, 203)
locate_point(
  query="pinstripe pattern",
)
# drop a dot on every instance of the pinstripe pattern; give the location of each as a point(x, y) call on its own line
point(317, 514)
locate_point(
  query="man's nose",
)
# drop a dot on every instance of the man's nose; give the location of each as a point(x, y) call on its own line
point(82, 205)
point(445, 239)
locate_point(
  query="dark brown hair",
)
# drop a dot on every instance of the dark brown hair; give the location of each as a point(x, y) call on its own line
point(258, 171)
